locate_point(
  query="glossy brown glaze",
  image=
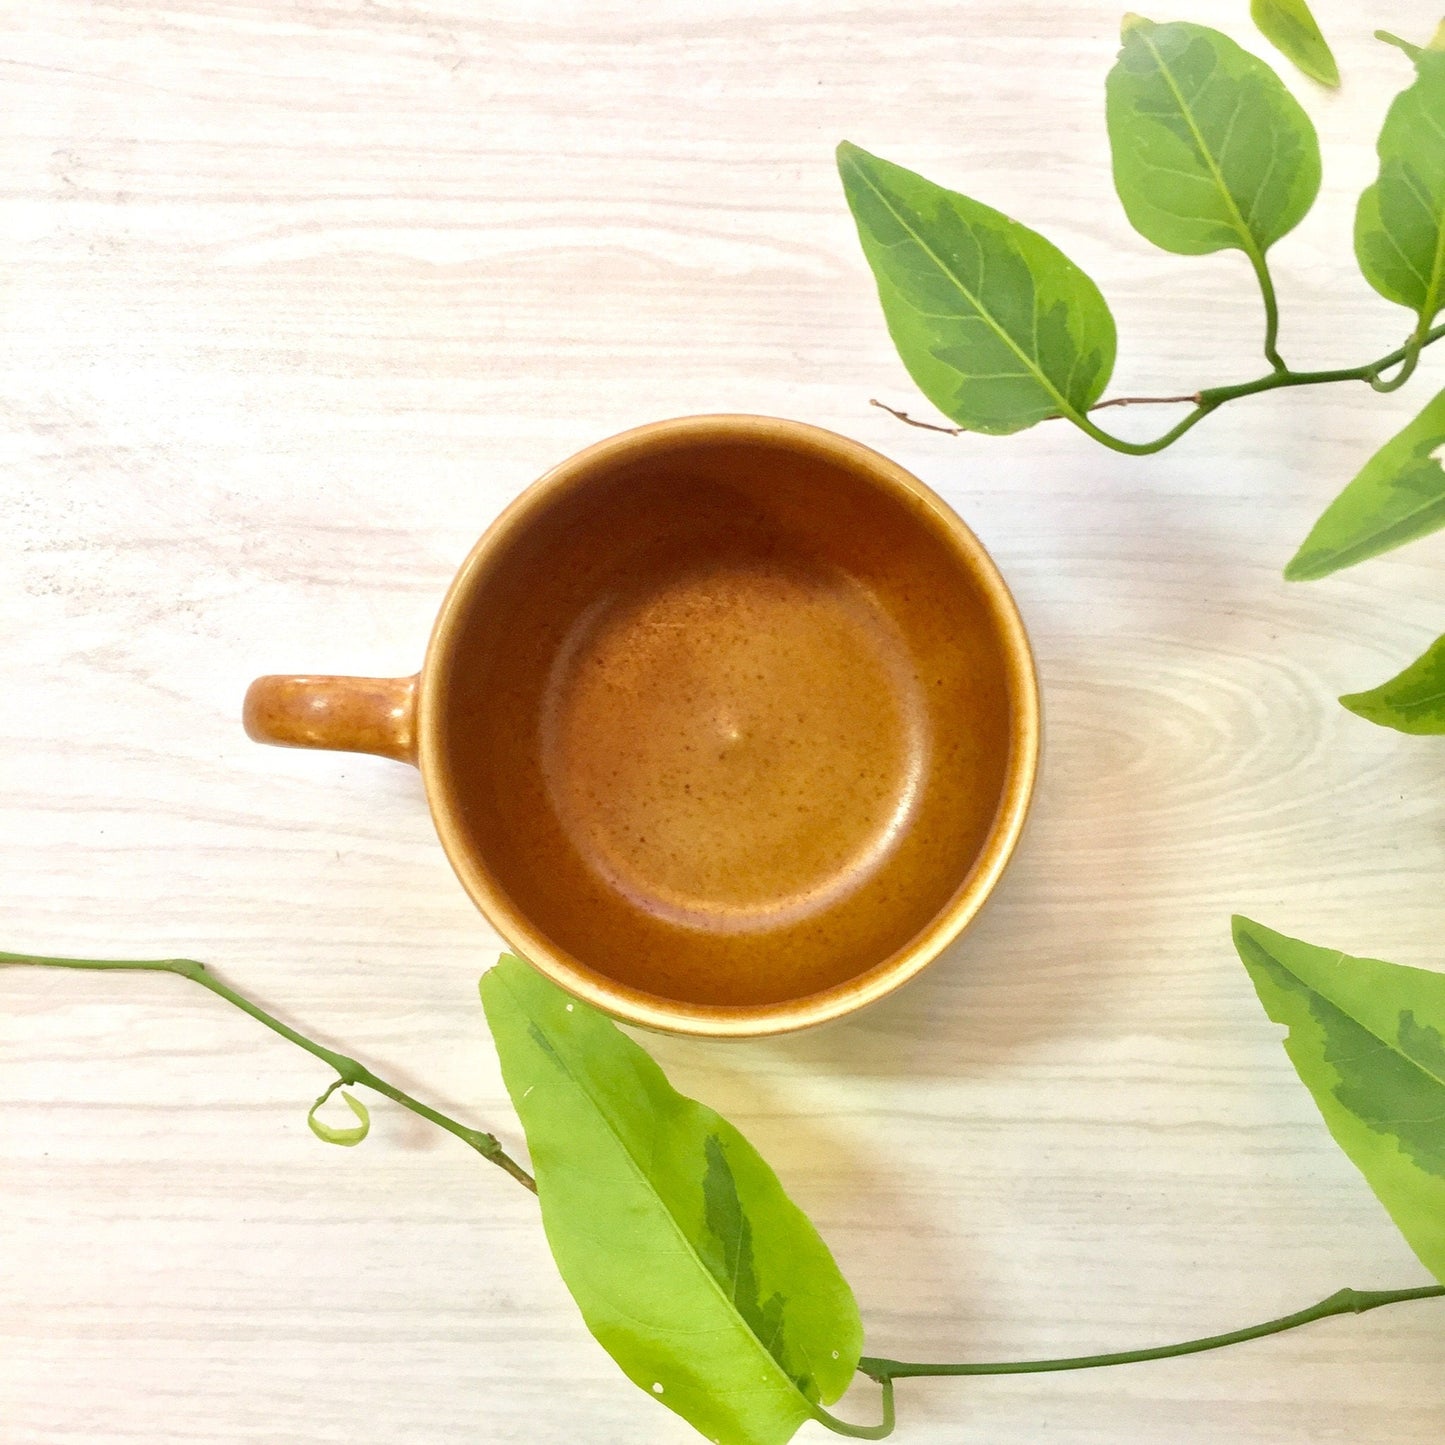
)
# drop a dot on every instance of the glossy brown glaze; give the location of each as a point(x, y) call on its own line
point(729, 725)
point(340, 714)
point(726, 726)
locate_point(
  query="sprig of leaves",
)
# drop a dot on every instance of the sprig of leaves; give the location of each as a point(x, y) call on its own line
point(1211, 152)
point(689, 1263)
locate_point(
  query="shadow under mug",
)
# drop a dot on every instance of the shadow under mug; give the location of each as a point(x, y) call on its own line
point(728, 725)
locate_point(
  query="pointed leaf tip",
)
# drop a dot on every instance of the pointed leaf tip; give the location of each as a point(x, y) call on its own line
point(1411, 702)
point(1300, 569)
point(847, 155)
point(1397, 497)
point(1290, 26)
point(1367, 1039)
point(1131, 21)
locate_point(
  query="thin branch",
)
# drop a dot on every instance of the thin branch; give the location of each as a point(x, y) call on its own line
point(1193, 397)
point(1210, 398)
point(1346, 1301)
point(953, 431)
point(348, 1070)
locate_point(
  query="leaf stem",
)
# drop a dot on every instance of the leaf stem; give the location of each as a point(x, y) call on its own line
point(348, 1070)
point(1346, 1301)
point(1271, 310)
point(1144, 449)
point(1407, 368)
point(862, 1432)
point(1212, 398)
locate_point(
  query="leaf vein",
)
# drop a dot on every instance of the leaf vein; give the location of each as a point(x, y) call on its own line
point(1033, 368)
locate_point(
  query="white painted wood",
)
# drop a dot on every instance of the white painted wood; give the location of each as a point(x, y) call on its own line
point(296, 296)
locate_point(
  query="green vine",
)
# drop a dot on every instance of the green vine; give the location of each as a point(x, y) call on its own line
point(1210, 399)
point(885, 1371)
point(348, 1070)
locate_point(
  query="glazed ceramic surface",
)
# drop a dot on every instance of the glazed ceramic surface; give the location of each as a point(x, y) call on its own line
point(728, 724)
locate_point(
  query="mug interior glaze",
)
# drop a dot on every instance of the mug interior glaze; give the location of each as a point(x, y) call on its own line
point(729, 725)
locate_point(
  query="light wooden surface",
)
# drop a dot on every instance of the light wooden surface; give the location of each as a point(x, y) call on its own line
point(296, 297)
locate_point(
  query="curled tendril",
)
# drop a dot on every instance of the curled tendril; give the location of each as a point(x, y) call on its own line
point(328, 1133)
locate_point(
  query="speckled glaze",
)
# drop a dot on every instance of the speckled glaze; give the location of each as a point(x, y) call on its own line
point(728, 724)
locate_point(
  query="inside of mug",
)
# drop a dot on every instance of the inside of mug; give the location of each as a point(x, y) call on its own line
point(726, 722)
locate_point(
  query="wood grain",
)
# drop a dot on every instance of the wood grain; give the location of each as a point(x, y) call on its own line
point(296, 297)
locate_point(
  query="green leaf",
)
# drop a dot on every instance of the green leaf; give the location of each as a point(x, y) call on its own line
point(1413, 702)
point(1399, 495)
point(996, 325)
point(1289, 26)
point(1210, 150)
point(328, 1133)
point(691, 1266)
point(1368, 1040)
point(1400, 221)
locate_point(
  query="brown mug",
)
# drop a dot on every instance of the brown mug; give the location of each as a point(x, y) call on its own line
point(729, 725)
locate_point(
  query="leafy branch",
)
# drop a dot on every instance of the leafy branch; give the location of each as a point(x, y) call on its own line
point(1210, 152)
point(713, 1244)
point(1210, 399)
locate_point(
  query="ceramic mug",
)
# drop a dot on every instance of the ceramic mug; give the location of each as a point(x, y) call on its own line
point(729, 725)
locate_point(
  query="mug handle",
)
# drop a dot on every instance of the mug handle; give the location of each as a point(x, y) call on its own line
point(343, 714)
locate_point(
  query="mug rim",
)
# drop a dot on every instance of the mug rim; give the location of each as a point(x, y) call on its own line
point(653, 1011)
